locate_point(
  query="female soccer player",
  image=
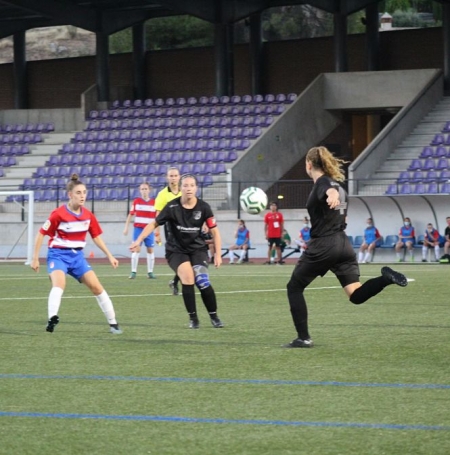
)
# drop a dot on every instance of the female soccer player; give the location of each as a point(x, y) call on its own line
point(67, 227)
point(143, 210)
point(329, 247)
point(186, 250)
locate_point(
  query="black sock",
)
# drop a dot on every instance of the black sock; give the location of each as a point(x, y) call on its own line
point(176, 280)
point(189, 300)
point(369, 289)
point(209, 299)
point(299, 312)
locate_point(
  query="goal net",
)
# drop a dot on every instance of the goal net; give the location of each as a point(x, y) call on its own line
point(15, 235)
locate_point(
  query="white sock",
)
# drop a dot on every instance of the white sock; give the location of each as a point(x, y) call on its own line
point(150, 262)
point(242, 255)
point(104, 302)
point(134, 261)
point(437, 252)
point(360, 256)
point(231, 255)
point(411, 253)
point(424, 252)
point(399, 255)
point(54, 301)
point(367, 257)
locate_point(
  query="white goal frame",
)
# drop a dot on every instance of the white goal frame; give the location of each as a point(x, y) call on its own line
point(30, 224)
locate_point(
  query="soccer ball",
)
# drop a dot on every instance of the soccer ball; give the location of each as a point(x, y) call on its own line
point(253, 200)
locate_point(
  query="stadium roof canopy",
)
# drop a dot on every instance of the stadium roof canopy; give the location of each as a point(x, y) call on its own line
point(111, 16)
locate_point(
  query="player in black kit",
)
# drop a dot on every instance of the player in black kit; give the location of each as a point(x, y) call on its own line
point(186, 250)
point(329, 247)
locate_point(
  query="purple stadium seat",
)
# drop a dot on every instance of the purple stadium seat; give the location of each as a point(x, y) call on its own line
point(392, 189)
point(405, 189)
point(432, 188)
point(431, 176)
point(93, 115)
point(280, 98)
point(291, 97)
point(438, 139)
point(137, 104)
point(180, 101)
point(446, 128)
point(440, 152)
point(220, 168)
point(445, 188)
point(148, 102)
point(427, 152)
point(415, 165)
point(442, 164)
point(206, 180)
point(269, 98)
point(419, 188)
point(192, 101)
point(444, 176)
point(224, 99)
point(235, 99)
point(258, 99)
point(417, 177)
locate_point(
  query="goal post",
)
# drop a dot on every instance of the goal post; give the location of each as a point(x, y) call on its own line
point(30, 223)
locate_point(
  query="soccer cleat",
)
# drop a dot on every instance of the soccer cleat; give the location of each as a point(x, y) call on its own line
point(173, 287)
point(194, 324)
point(424, 260)
point(151, 275)
point(240, 261)
point(132, 276)
point(54, 320)
point(115, 329)
point(394, 277)
point(299, 343)
point(217, 323)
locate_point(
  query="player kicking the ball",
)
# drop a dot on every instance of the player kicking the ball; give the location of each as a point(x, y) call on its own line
point(67, 228)
point(329, 247)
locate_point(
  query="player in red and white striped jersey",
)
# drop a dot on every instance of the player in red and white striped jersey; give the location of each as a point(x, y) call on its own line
point(67, 228)
point(143, 210)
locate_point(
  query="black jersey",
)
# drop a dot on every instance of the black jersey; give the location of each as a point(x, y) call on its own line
point(184, 226)
point(326, 221)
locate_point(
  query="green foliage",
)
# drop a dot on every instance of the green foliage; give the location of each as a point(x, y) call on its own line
point(358, 373)
point(408, 18)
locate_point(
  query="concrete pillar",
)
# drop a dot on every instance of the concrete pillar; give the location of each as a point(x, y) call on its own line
point(340, 42)
point(102, 66)
point(372, 38)
point(256, 54)
point(139, 66)
point(20, 72)
point(446, 42)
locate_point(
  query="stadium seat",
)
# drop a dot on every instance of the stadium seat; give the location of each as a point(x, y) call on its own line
point(442, 164)
point(445, 188)
point(427, 152)
point(432, 188)
point(440, 152)
point(404, 177)
point(419, 188)
point(431, 176)
point(389, 241)
point(444, 175)
point(438, 139)
point(358, 241)
point(392, 189)
point(405, 189)
point(417, 177)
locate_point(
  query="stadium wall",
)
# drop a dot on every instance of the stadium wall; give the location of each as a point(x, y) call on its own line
point(289, 66)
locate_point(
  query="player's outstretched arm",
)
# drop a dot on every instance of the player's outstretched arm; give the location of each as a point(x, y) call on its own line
point(101, 244)
point(145, 233)
point(37, 248)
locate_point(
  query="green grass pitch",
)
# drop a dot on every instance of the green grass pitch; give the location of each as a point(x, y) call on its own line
point(376, 382)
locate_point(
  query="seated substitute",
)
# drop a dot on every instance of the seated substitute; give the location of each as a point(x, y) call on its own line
point(446, 257)
point(407, 238)
point(304, 236)
point(242, 236)
point(371, 240)
point(432, 239)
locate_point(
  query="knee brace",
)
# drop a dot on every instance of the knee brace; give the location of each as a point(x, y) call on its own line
point(201, 277)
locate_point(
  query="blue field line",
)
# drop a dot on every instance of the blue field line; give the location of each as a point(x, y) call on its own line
point(379, 426)
point(227, 381)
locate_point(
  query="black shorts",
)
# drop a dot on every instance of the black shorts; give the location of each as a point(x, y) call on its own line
point(274, 241)
point(333, 253)
point(199, 257)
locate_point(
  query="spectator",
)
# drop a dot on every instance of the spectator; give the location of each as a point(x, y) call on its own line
point(371, 240)
point(431, 239)
point(273, 228)
point(285, 241)
point(242, 236)
point(143, 211)
point(407, 238)
point(446, 258)
point(304, 236)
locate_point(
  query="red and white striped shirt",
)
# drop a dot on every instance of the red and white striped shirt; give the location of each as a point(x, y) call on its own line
point(67, 229)
point(144, 211)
